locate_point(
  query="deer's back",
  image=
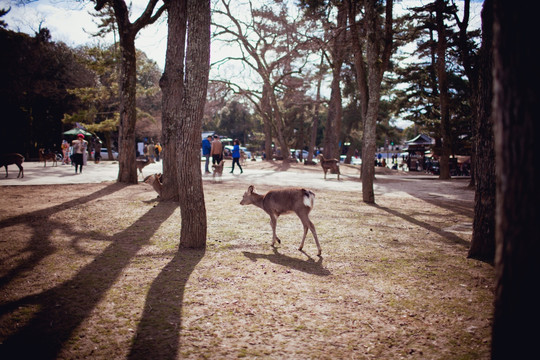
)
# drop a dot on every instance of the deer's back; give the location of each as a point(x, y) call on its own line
point(284, 201)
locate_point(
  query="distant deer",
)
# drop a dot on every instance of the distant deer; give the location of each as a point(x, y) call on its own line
point(141, 164)
point(156, 181)
point(218, 170)
point(277, 202)
point(12, 158)
point(44, 157)
point(329, 164)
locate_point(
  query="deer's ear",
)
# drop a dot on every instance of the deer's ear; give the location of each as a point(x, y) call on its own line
point(250, 189)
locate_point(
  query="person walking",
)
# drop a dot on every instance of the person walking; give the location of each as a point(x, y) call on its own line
point(157, 151)
point(206, 148)
point(65, 152)
point(79, 148)
point(236, 155)
point(216, 150)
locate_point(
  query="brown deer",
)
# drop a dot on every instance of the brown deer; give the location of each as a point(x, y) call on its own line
point(44, 157)
point(329, 164)
point(12, 158)
point(278, 202)
point(156, 181)
point(218, 170)
point(142, 163)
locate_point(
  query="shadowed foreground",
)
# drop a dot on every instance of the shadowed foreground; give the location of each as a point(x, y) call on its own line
point(94, 271)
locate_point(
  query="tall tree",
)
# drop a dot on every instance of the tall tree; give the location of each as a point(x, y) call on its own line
point(515, 117)
point(370, 65)
point(337, 50)
point(184, 84)
point(444, 100)
point(483, 237)
point(271, 46)
point(127, 31)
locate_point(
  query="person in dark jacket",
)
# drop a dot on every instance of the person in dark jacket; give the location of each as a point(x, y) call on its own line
point(236, 155)
point(206, 147)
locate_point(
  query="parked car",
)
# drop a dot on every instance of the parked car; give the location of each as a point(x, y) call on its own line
point(105, 154)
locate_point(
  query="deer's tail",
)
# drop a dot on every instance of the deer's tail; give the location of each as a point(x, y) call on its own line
point(309, 198)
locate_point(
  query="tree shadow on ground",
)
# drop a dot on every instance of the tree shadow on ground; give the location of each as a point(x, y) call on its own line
point(450, 237)
point(309, 266)
point(157, 333)
point(63, 309)
point(39, 246)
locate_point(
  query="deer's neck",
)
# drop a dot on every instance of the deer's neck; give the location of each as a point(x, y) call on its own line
point(258, 200)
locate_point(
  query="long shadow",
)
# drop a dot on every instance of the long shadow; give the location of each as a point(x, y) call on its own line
point(444, 234)
point(39, 246)
point(63, 308)
point(309, 266)
point(157, 332)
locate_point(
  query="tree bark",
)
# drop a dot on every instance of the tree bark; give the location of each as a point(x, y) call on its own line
point(191, 195)
point(378, 50)
point(483, 237)
point(443, 92)
point(266, 113)
point(335, 111)
point(515, 117)
point(127, 170)
point(172, 86)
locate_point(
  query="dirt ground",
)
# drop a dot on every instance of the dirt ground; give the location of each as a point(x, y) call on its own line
point(93, 271)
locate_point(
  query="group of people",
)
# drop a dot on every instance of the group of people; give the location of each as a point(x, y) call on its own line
point(76, 152)
point(152, 150)
point(213, 147)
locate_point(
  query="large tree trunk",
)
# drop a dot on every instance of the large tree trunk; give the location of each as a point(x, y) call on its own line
point(192, 206)
point(483, 238)
point(172, 86)
point(369, 75)
point(266, 111)
point(516, 124)
point(335, 111)
point(316, 115)
point(377, 62)
point(127, 170)
point(443, 92)
point(278, 123)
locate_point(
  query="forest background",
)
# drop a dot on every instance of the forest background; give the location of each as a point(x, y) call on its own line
point(76, 80)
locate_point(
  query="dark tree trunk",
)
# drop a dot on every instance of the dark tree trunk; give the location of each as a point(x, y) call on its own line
point(266, 110)
point(127, 170)
point(172, 86)
point(333, 120)
point(191, 195)
point(483, 238)
point(316, 115)
point(516, 124)
point(369, 75)
point(443, 92)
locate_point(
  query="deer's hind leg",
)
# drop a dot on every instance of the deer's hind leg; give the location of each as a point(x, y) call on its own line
point(309, 225)
point(273, 223)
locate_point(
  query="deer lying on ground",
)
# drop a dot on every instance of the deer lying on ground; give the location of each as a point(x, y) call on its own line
point(278, 202)
point(12, 158)
point(329, 164)
point(156, 181)
point(141, 163)
point(44, 157)
point(218, 170)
